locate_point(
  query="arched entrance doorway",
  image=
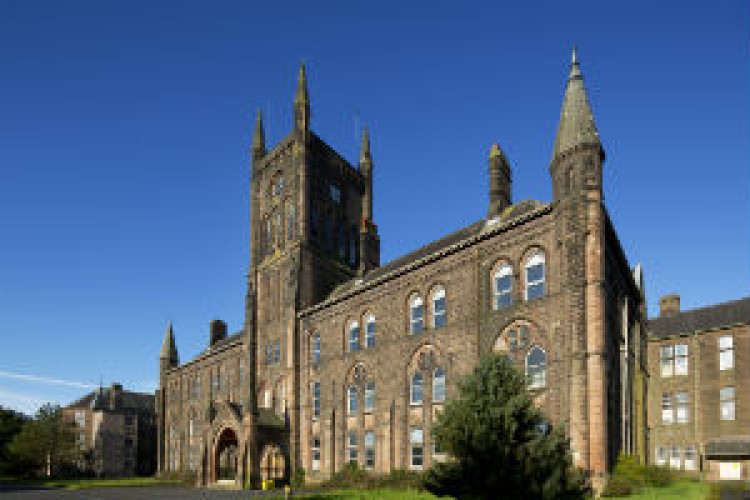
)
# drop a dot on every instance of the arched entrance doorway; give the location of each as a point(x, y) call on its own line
point(272, 463)
point(225, 463)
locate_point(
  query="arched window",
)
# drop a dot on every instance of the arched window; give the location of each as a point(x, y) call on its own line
point(416, 389)
point(534, 268)
point(536, 368)
point(503, 286)
point(352, 400)
point(369, 331)
point(315, 348)
point(416, 315)
point(353, 336)
point(438, 385)
point(438, 308)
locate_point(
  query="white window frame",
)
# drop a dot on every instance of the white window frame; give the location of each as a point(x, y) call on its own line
point(666, 361)
point(727, 400)
point(538, 378)
point(413, 392)
point(315, 390)
point(370, 327)
point(315, 453)
point(536, 259)
point(416, 448)
point(726, 352)
point(503, 271)
point(667, 409)
point(353, 336)
point(438, 318)
point(416, 323)
point(369, 449)
point(680, 359)
point(352, 403)
point(369, 397)
point(675, 457)
point(661, 455)
point(691, 458)
point(682, 407)
point(438, 385)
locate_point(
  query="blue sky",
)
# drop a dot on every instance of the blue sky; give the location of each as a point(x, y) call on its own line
point(125, 129)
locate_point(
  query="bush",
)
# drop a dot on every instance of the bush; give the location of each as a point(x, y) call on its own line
point(629, 477)
point(298, 478)
point(353, 477)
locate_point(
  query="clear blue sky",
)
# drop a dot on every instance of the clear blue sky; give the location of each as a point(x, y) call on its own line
point(125, 129)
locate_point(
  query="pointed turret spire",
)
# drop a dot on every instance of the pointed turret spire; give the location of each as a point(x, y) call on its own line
point(364, 154)
point(168, 347)
point(577, 124)
point(259, 138)
point(302, 104)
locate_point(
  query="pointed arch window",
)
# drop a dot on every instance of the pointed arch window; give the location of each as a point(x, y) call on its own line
point(369, 331)
point(353, 336)
point(438, 308)
point(536, 368)
point(503, 286)
point(416, 389)
point(416, 315)
point(535, 276)
point(438, 385)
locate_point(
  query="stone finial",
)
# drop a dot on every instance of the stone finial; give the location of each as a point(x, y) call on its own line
point(259, 138)
point(302, 105)
point(301, 96)
point(169, 348)
point(365, 156)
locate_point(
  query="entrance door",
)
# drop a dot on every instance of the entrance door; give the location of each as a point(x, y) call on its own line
point(272, 463)
point(226, 456)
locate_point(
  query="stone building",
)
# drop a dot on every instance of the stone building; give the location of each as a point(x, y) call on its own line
point(699, 391)
point(343, 360)
point(116, 430)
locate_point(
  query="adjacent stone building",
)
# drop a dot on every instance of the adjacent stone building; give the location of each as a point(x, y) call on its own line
point(343, 360)
point(699, 403)
point(116, 431)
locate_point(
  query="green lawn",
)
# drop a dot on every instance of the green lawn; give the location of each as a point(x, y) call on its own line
point(369, 495)
point(79, 484)
point(682, 490)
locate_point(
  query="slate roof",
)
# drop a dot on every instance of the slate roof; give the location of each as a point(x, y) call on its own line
point(128, 400)
point(702, 319)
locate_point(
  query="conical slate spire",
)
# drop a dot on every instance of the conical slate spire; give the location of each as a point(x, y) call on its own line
point(168, 347)
point(259, 138)
point(364, 154)
point(577, 124)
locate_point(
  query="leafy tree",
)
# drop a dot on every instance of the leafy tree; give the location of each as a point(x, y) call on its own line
point(502, 446)
point(45, 444)
point(10, 425)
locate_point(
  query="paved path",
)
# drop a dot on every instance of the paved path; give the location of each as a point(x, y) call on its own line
point(9, 492)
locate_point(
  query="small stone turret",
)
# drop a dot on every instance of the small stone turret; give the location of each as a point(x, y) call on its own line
point(218, 331)
point(500, 182)
point(259, 140)
point(669, 305)
point(369, 241)
point(168, 357)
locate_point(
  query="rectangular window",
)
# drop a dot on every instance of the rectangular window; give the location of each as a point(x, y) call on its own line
point(369, 449)
point(315, 349)
point(675, 461)
point(316, 399)
point(438, 386)
point(691, 458)
point(726, 352)
point(661, 455)
point(335, 193)
point(416, 443)
point(438, 306)
point(682, 407)
point(727, 403)
point(354, 337)
point(730, 470)
point(535, 279)
point(681, 359)
point(315, 453)
point(352, 398)
point(351, 446)
point(370, 332)
point(667, 412)
point(370, 397)
point(277, 351)
point(269, 353)
point(667, 361)
point(503, 284)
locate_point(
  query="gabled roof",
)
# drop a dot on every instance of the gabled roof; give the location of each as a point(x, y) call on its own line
point(702, 319)
point(128, 400)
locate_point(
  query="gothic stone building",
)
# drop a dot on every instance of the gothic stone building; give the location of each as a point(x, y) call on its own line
point(699, 404)
point(116, 431)
point(343, 360)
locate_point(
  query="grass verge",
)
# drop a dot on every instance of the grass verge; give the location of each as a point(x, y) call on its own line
point(80, 484)
point(681, 490)
point(379, 494)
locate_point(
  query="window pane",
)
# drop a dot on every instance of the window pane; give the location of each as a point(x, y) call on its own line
point(535, 273)
point(674, 458)
point(726, 360)
point(681, 350)
point(726, 342)
point(370, 332)
point(438, 386)
point(535, 291)
point(416, 388)
point(354, 337)
point(666, 367)
point(370, 396)
point(352, 399)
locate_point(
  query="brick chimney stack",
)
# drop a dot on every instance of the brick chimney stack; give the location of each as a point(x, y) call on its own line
point(669, 305)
